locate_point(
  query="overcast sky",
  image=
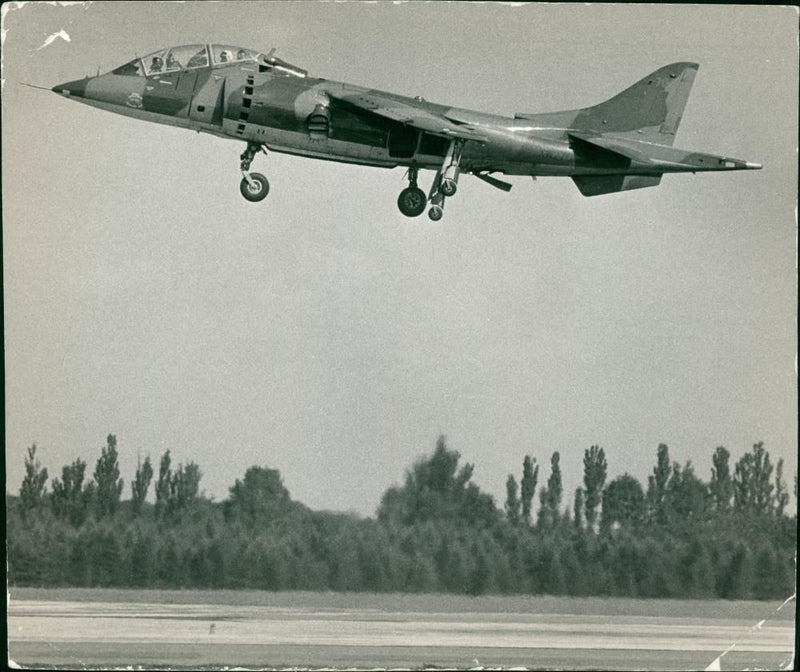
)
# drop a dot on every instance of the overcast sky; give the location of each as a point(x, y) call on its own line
point(322, 333)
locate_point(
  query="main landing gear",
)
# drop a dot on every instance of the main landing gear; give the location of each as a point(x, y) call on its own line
point(412, 200)
point(254, 186)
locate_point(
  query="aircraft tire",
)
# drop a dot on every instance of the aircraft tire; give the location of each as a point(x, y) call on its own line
point(412, 201)
point(257, 193)
point(448, 187)
point(435, 213)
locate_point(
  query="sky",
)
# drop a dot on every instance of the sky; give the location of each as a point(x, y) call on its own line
point(322, 333)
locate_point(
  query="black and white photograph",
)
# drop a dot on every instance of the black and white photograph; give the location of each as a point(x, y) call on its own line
point(400, 335)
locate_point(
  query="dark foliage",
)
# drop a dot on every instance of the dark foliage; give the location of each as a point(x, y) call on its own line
point(436, 533)
point(108, 484)
point(141, 484)
point(31, 493)
point(595, 467)
point(530, 476)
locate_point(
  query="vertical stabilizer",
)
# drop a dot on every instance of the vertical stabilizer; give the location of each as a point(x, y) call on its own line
point(650, 110)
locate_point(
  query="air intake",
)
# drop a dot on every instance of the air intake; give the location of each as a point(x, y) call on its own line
point(319, 123)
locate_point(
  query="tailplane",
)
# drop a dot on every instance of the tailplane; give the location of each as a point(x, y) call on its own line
point(648, 111)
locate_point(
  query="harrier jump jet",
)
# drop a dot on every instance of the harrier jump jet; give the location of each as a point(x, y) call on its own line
point(623, 143)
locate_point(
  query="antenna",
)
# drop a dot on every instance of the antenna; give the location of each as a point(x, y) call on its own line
point(33, 86)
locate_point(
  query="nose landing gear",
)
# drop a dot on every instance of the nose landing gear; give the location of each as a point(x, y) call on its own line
point(254, 186)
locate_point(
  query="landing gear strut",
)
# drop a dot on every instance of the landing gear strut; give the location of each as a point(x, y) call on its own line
point(412, 200)
point(254, 186)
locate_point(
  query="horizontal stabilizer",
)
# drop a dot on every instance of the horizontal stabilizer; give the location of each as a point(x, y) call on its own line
point(628, 149)
point(595, 185)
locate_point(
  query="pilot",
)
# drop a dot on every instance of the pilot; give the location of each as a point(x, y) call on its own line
point(172, 62)
point(223, 57)
point(242, 54)
point(156, 64)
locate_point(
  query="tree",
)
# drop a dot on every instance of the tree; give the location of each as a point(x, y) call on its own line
point(69, 498)
point(530, 475)
point(512, 500)
point(184, 487)
point(687, 495)
point(623, 503)
point(578, 506)
point(594, 478)
point(108, 484)
point(781, 495)
point(176, 490)
point(752, 489)
point(31, 491)
point(163, 485)
point(550, 496)
point(721, 486)
point(657, 485)
point(554, 486)
point(141, 484)
point(436, 489)
point(259, 497)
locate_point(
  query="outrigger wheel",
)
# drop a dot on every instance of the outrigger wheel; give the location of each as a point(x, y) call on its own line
point(412, 199)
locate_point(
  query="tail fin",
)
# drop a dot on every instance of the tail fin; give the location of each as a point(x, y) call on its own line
point(649, 111)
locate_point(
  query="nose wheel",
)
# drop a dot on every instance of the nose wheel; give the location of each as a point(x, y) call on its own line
point(254, 186)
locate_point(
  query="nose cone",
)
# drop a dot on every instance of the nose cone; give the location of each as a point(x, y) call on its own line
point(74, 88)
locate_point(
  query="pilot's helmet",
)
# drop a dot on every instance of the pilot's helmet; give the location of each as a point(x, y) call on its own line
point(242, 54)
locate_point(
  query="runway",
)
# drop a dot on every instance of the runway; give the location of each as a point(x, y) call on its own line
point(392, 632)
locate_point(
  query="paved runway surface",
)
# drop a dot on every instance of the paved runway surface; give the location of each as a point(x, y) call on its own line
point(399, 634)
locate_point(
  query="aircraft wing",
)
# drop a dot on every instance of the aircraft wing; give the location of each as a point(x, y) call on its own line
point(410, 115)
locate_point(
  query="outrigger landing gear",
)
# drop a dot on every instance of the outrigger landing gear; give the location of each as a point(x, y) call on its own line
point(445, 184)
point(412, 199)
point(450, 172)
point(254, 186)
point(437, 207)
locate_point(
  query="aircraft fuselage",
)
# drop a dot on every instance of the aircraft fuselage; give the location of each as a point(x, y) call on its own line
point(268, 103)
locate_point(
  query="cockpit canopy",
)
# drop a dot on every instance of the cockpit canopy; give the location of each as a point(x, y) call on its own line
point(189, 56)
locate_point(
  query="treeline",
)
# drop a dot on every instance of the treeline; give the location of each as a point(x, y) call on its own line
point(437, 532)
